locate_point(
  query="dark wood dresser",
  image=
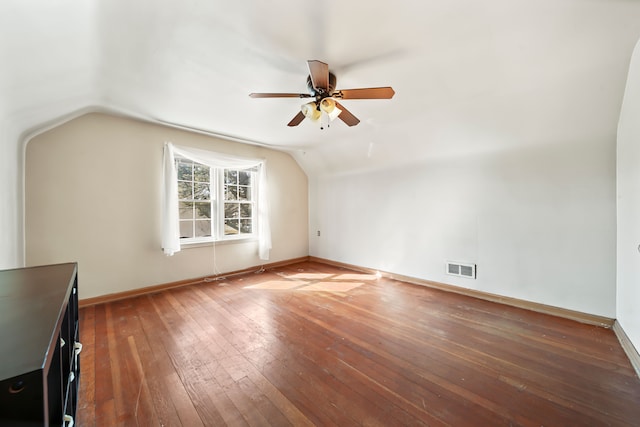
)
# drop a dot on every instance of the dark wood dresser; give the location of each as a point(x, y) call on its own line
point(39, 347)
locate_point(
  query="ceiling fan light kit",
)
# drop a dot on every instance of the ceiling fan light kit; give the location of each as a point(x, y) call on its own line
point(321, 84)
point(311, 111)
point(328, 105)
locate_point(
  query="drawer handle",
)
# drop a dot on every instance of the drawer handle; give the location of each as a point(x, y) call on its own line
point(68, 419)
point(77, 349)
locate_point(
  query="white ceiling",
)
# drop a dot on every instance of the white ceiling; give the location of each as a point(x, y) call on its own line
point(470, 76)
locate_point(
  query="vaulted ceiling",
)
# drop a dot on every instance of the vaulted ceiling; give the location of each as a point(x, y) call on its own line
point(470, 76)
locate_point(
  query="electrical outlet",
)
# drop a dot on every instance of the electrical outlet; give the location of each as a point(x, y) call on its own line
point(318, 233)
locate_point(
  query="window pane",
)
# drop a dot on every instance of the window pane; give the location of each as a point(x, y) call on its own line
point(230, 176)
point(184, 190)
point(186, 210)
point(231, 210)
point(186, 229)
point(201, 191)
point(230, 226)
point(245, 210)
point(244, 178)
point(230, 192)
point(200, 173)
point(203, 228)
point(245, 226)
point(185, 171)
point(203, 210)
point(244, 193)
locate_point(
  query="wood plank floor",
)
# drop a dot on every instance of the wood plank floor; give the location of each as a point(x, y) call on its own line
point(311, 344)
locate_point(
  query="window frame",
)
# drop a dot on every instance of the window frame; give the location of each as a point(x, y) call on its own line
point(217, 200)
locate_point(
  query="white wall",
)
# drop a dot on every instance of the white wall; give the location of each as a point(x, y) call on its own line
point(11, 248)
point(93, 196)
point(48, 53)
point(628, 298)
point(539, 222)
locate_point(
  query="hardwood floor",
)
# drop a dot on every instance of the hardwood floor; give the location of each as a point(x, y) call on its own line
point(312, 344)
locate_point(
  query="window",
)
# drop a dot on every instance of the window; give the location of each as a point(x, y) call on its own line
point(209, 196)
point(214, 203)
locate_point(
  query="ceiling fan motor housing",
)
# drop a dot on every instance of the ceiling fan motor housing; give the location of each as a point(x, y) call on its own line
point(330, 89)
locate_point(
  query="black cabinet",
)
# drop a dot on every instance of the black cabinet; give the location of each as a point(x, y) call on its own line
point(39, 346)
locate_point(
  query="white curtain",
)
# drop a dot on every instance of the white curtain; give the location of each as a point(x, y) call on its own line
point(170, 220)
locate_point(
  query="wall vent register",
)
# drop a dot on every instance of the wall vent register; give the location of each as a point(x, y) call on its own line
point(461, 269)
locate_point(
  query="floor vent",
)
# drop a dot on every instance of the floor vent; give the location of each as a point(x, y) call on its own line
point(461, 269)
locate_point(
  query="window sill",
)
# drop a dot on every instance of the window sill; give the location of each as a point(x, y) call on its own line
point(209, 243)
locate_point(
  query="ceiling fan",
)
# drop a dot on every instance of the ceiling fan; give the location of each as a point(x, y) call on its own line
point(322, 88)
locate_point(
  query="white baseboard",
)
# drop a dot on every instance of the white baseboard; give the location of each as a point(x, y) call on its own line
point(628, 347)
point(590, 319)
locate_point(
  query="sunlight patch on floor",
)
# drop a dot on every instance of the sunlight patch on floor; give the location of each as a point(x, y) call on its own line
point(308, 276)
point(318, 282)
point(356, 276)
point(332, 286)
point(278, 284)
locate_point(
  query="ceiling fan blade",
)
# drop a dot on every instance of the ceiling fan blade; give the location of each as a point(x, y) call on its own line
point(296, 120)
point(346, 116)
point(365, 93)
point(279, 95)
point(319, 72)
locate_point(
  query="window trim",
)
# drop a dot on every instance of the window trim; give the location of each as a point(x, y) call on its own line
point(207, 242)
point(217, 200)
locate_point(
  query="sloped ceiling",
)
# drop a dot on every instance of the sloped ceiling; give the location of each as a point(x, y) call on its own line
point(469, 76)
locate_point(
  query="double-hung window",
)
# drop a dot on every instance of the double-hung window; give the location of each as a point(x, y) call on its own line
point(215, 203)
point(210, 196)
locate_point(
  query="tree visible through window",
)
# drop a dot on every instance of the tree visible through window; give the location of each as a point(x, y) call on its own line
point(214, 203)
point(238, 202)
